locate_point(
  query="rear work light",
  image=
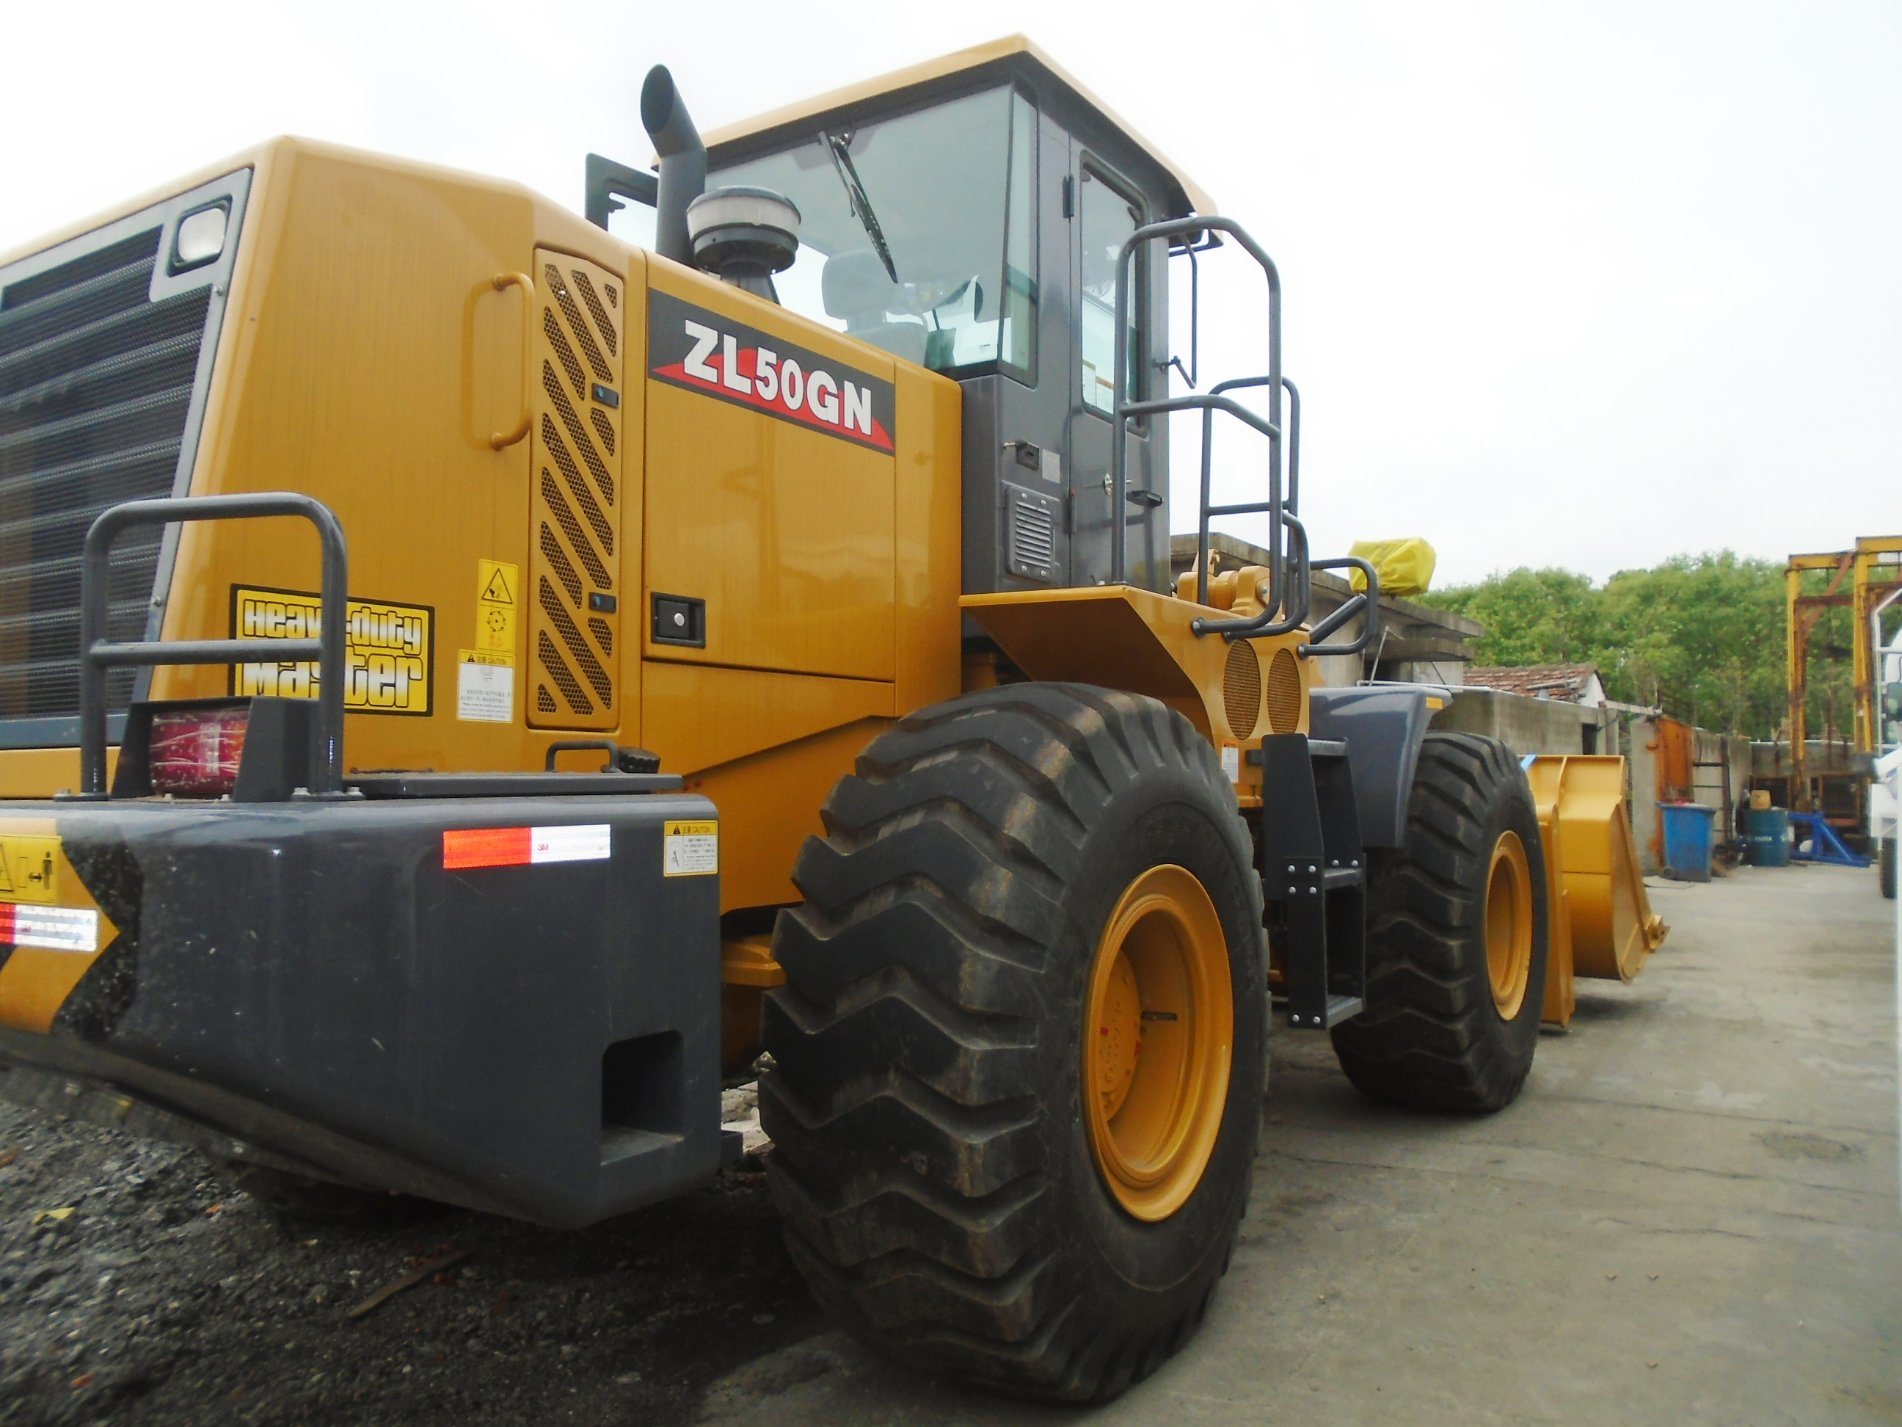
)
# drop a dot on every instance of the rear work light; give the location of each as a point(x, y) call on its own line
point(195, 752)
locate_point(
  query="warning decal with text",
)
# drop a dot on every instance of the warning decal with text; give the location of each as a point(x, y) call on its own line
point(691, 849)
point(485, 675)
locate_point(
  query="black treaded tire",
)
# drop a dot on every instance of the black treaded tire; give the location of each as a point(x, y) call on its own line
point(1885, 866)
point(1431, 1036)
point(930, 1155)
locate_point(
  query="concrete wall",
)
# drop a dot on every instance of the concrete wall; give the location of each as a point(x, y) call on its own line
point(1529, 726)
point(1523, 725)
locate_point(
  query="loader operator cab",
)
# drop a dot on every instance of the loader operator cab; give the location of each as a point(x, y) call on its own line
point(967, 217)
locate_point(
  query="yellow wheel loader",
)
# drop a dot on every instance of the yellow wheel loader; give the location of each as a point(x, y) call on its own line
point(470, 684)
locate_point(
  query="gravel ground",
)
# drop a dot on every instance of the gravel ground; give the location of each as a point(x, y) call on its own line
point(137, 1285)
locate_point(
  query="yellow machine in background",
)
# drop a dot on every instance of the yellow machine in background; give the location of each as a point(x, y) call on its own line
point(1855, 805)
point(1602, 925)
point(758, 640)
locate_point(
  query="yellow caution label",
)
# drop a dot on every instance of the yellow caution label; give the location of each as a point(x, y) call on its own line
point(387, 663)
point(48, 945)
point(690, 849)
point(29, 869)
point(497, 585)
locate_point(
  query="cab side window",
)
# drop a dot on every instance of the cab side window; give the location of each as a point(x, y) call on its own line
point(1107, 216)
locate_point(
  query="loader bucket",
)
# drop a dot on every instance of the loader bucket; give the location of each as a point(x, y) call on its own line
point(1601, 923)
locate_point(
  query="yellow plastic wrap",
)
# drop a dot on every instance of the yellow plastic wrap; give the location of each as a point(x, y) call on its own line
point(1405, 566)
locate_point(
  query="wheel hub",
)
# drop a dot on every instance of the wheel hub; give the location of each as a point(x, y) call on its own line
point(1509, 924)
point(1158, 1042)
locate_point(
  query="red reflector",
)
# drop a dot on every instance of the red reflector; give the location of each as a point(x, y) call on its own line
point(195, 752)
point(487, 847)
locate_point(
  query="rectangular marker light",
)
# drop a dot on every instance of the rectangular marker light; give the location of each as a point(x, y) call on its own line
point(200, 238)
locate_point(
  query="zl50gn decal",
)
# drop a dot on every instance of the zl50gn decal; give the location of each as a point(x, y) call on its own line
point(690, 347)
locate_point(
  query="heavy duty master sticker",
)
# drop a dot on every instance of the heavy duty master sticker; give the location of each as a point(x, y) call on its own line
point(690, 347)
point(387, 666)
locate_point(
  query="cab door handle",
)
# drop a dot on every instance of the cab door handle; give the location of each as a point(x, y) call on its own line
point(502, 282)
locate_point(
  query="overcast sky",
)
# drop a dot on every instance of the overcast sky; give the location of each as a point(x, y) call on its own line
point(1567, 284)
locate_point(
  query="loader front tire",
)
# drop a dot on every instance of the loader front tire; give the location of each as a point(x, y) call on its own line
point(1885, 866)
point(1456, 938)
point(1017, 1066)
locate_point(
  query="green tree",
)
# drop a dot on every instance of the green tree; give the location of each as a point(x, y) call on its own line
point(1701, 636)
point(1531, 616)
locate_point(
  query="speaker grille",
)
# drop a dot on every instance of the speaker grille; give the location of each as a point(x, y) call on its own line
point(1241, 689)
point(1284, 692)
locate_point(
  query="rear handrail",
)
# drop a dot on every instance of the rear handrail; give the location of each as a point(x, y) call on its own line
point(1290, 584)
point(1195, 228)
point(1265, 625)
point(98, 654)
point(1367, 599)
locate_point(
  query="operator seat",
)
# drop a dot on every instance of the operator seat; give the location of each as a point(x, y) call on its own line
point(855, 287)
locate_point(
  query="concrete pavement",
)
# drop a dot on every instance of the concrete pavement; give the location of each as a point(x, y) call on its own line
point(1690, 1216)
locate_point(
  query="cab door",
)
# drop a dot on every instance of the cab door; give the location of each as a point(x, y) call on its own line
point(1104, 210)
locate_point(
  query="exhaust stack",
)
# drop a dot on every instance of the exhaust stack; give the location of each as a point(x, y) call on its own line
point(683, 163)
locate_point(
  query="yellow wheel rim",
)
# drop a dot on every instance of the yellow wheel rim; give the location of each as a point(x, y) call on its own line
point(1509, 924)
point(1158, 1039)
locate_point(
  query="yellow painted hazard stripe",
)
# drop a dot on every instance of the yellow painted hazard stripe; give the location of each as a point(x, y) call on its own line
point(36, 980)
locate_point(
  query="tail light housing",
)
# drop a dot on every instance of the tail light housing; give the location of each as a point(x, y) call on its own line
point(195, 752)
point(256, 750)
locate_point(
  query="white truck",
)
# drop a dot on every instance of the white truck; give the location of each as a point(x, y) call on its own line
point(1885, 794)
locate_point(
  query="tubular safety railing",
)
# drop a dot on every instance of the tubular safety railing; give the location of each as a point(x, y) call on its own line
point(1290, 590)
point(98, 654)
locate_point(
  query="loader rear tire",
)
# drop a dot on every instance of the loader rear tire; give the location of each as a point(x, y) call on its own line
point(1885, 866)
point(1017, 1066)
point(1456, 938)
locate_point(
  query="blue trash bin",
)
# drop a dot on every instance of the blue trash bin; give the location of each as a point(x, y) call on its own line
point(1687, 840)
point(1767, 836)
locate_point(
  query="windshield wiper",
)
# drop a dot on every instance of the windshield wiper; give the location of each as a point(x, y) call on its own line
point(855, 195)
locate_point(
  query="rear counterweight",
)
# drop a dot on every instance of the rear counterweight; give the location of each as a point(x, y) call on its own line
point(508, 1003)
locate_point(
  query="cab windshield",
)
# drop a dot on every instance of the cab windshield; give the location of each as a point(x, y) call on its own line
point(916, 231)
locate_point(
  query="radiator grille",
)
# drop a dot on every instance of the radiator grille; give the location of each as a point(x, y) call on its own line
point(573, 562)
point(96, 385)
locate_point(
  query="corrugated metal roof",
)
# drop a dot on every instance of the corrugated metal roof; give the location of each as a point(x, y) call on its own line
point(1536, 681)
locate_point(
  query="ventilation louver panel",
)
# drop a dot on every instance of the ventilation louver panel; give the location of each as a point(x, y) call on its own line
point(96, 388)
point(1031, 535)
point(573, 598)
